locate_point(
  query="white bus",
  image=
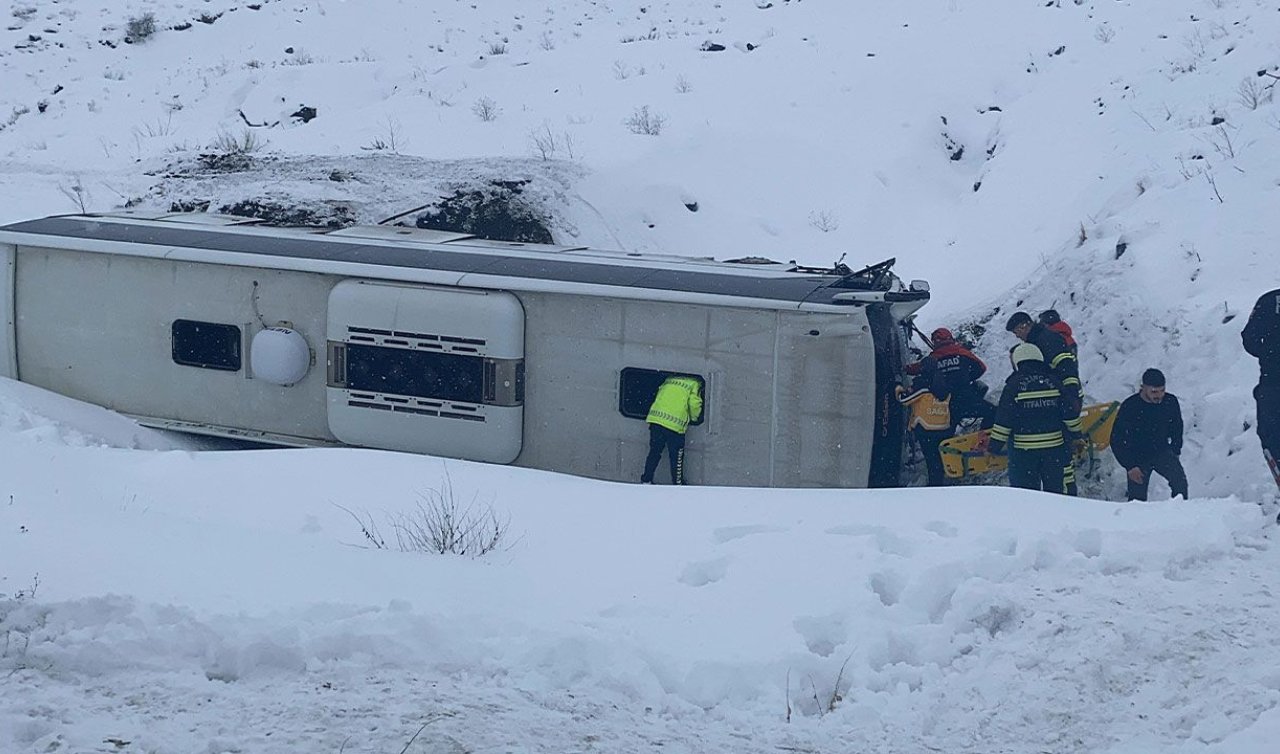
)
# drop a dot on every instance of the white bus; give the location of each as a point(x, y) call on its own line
point(441, 343)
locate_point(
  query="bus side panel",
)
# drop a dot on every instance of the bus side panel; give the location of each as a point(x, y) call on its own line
point(99, 328)
point(576, 350)
point(8, 336)
point(824, 400)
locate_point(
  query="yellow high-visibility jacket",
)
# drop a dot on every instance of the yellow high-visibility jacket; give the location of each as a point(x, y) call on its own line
point(679, 402)
point(927, 412)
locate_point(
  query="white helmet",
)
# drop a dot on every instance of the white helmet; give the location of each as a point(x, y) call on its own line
point(1025, 352)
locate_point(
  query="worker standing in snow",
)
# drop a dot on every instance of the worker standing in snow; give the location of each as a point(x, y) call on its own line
point(1034, 418)
point(1052, 320)
point(930, 421)
point(950, 371)
point(1147, 437)
point(1261, 338)
point(678, 403)
point(1057, 355)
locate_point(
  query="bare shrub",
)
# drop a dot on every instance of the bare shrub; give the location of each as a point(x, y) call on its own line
point(156, 128)
point(682, 85)
point(1104, 33)
point(439, 524)
point(298, 57)
point(486, 109)
point(824, 220)
point(77, 193)
point(546, 41)
point(140, 28)
point(498, 48)
point(26, 593)
point(247, 142)
point(642, 121)
point(230, 152)
point(1220, 140)
point(1252, 94)
point(547, 145)
point(390, 139)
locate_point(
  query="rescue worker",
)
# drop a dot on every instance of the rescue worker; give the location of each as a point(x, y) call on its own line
point(1057, 355)
point(1261, 338)
point(1034, 421)
point(1147, 437)
point(950, 370)
point(930, 422)
point(677, 404)
point(1052, 320)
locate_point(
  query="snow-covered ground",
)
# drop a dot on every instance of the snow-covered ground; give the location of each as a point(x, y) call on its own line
point(227, 602)
point(1117, 160)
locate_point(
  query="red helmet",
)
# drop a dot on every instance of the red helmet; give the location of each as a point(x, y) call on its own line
point(942, 335)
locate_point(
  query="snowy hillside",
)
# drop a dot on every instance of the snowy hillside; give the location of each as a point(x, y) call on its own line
point(1117, 160)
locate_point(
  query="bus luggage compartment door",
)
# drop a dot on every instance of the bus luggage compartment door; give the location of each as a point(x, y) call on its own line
point(426, 370)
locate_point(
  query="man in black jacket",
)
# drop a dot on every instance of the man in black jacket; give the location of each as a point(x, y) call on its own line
point(1057, 354)
point(1261, 338)
point(1147, 437)
point(1036, 419)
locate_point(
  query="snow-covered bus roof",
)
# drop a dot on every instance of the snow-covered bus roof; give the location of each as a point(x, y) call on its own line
point(449, 258)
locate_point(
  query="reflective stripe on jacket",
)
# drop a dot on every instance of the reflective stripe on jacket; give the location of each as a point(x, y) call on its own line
point(679, 402)
point(927, 412)
point(1033, 410)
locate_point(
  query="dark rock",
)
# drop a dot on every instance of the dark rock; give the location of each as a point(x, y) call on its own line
point(495, 211)
point(1217, 120)
point(711, 47)
point(691, 206)
point(1121, 248)
point(190, 205)
point(226, 162)
point(304, 114)
point(272, 212)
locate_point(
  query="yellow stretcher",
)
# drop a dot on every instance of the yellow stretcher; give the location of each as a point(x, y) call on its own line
point(966, 455)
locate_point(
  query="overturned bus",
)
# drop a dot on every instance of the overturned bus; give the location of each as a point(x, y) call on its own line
point(441, 343)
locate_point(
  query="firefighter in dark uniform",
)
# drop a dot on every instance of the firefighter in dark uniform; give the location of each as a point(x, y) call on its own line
point(1057, 354)
point(1261, 338)
point(1036, 420)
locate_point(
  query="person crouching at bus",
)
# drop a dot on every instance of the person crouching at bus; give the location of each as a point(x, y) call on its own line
point(679, 402)
point(930, 422)
point(1036, 418)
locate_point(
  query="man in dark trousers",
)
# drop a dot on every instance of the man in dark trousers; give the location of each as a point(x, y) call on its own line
point(1059, 357)
point(929, 419)
point(1261, 338)
point(677, 405)
point(1147, 437)
point(949, 371)
point(1035, 418)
